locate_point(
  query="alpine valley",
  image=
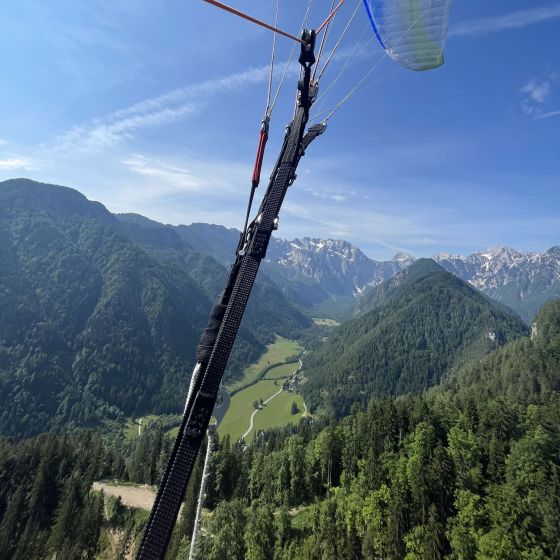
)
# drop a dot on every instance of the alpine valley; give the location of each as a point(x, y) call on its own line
point(431, 386)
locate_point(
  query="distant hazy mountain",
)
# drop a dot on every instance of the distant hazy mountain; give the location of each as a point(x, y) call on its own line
point(522, 281)
point(328, 275)
point(332, 270)
point(424, 322)
point(100, 318)
point(321, 276)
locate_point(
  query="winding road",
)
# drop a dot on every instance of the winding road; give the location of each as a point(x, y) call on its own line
point(253, 415)
point(251, 420)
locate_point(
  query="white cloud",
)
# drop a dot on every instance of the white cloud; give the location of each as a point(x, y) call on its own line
point(182, 189)
point(513, 20)
point(3, 142)
point(15, 163)
point(167, 108)
point(327, 193)
point(105, 133)
point(537, 91)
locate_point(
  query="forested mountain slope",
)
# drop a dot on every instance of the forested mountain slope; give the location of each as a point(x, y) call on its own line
point(527, 370)
point(268, 310)
point(327, 275)
point(93, 324)
point(420, 327)
point(467, 475)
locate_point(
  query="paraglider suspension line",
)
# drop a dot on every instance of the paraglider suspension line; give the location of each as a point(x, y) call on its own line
point(243, 15)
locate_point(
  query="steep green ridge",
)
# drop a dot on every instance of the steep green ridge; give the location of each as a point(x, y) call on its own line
point(95, 321)
point(90, 325)
point(424, 323)
point(379, 294)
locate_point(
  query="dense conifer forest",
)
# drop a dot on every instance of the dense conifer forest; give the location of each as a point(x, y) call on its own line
point(464, 471)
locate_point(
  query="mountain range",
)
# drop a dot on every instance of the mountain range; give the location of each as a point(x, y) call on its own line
point(521, 280)
point(326, 276)
point(99, 316)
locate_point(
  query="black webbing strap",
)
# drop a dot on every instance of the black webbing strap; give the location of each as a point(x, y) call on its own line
point(218, 338)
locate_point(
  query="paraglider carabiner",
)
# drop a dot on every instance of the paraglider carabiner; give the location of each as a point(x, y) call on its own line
point(307, 56)
point(307, 59)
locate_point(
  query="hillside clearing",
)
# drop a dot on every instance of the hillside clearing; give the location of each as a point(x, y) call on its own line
point(132, 495)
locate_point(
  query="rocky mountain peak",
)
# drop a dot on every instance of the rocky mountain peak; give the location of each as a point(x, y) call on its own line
point(403, 258)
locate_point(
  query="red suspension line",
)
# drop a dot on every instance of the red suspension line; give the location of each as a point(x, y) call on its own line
point(255, 20)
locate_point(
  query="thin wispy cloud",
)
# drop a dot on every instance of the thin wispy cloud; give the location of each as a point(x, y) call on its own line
point(170, 107)
point(514, 20)
point(112, 129)
point(548, 115)
point(165, 109)
point(163, 172)
point(3, 142)
point(160, 177)
point(536, 92)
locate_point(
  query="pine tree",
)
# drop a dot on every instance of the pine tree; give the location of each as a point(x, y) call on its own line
point(433, 537)
point(65, 528)
point(259, 533)
point(11, 525)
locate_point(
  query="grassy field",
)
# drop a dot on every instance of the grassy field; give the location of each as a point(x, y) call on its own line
point(236, 420)
point(283, 370)
point(325, 322)
point(131, 426)
point(277, 413)
point(278, 351)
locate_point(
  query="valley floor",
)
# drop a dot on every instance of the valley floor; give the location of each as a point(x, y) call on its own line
point(261, 380)
point(264, 381)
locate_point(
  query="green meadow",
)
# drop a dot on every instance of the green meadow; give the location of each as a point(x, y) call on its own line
point(278, 411)
point(278, 351)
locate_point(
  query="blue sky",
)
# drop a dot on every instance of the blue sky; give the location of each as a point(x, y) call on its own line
point(156, 109)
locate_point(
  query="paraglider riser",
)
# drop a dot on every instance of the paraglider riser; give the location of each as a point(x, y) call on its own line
point(218, 339)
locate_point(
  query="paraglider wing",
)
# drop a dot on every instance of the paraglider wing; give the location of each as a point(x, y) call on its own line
point(411, 31)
